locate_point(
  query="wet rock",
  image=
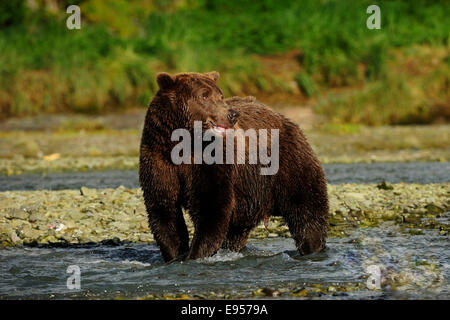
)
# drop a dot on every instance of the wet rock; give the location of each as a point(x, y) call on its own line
point(35, 217)
point(28, 233)
point(267, 292)
point(76, 215)
point(14, 238)
point(18, 214)
point(302, 292)
point(88, 192)
point(385, 186)
point(49, 239)
point(121, 212)
point(340, 294)
point(354, 196)
point(416, 232)
point(17, 223)
point(433, 209)
point(112, 242)
point(332, 289)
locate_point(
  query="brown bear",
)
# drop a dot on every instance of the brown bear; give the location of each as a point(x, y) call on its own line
point(225, 201)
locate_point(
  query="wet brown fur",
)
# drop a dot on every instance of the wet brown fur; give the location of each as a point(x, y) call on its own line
point(225, 201)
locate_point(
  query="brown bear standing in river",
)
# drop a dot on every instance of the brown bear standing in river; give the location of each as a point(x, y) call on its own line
point(225, 201)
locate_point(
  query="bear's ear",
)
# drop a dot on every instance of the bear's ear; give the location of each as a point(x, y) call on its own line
point(164, 80)
point(213, 75)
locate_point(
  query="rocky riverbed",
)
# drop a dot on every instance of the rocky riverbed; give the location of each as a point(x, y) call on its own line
point(116, 215)
point(98, 148)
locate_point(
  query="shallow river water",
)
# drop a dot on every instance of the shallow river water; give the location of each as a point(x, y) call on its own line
point(414, 172)
point(411, 266)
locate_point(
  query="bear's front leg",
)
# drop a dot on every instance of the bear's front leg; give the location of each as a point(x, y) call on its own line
point(169, 230)
point(161, 189)
point(211, 211)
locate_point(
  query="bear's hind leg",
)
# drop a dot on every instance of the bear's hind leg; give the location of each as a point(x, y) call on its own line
point(309, 233)
point(235, 240)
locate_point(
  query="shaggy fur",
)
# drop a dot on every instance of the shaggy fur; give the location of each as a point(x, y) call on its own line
point(225, 201)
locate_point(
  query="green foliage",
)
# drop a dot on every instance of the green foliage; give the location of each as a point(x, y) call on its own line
point(305, 84)
point(391, 101)
point(111, 62)
point(12, 12)
point(121, 16)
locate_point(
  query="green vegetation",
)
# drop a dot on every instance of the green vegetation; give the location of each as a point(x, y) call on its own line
point(357, 75)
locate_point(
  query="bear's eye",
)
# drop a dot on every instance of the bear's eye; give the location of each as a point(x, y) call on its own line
point(205, 95)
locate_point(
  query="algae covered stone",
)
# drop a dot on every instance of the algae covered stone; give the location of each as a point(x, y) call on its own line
point(120, 213)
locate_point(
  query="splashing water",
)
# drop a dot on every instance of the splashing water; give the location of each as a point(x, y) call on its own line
point(411, 266)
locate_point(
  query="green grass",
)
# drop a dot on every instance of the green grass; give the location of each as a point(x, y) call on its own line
point(111, 63)
point(414, 89)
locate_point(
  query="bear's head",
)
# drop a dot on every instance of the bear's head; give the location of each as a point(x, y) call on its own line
point(197, 95)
